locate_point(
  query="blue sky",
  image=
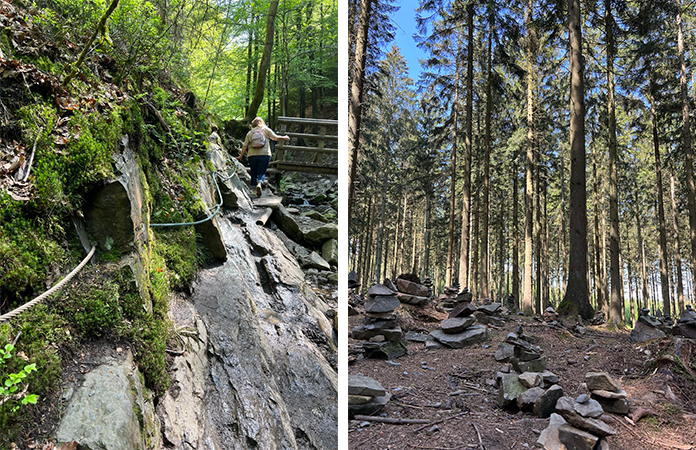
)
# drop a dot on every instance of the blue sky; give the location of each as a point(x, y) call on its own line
point(405, 22)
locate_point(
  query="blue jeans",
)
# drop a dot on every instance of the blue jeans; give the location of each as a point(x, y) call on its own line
point(258, 165)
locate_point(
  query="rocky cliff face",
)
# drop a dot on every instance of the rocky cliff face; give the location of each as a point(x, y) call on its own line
point(259, 366)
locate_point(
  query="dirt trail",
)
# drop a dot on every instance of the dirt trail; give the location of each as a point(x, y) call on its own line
point(422, 382)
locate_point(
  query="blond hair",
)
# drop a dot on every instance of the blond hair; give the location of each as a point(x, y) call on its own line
point(256, 121)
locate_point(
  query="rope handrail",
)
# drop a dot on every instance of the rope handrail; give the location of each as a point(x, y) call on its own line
point(217, 207)
point(49, 292)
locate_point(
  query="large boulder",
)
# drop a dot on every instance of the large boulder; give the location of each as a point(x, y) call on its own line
point(112, 394)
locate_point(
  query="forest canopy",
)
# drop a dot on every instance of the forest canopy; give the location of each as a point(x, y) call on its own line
point(469, 177)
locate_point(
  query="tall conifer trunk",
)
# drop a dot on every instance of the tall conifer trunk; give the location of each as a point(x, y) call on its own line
point(664, 277)
point(576, 297)
point(529, 188)
point(466, 185)
point(485, 290)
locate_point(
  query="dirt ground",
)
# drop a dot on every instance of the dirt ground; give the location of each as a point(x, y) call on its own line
point(659, 388)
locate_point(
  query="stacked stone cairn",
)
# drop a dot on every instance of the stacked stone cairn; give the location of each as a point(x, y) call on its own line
point(647, 328)
point(429, 284)
point(522, 352)
point(459, 329)
point(607, 391)
point(448, 299)
point(382, 336)
point(576, 424)
point(365, 396)
point(492, 313)
point(686, 325)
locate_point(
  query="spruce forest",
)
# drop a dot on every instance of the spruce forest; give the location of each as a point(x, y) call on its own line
point(545, 152)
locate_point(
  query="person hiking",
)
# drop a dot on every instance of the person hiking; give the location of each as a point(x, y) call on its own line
point(257, 141)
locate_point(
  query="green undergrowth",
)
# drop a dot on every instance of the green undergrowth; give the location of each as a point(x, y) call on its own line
point(119, 297)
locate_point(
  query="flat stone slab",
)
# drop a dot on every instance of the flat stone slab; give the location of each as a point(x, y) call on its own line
point(613, 405)
point(409, 287)
point(379, 289)
point(382, 304)
point(650, 321)
point(490, 309)
point(535, 365)
point(609, 395)
point(462, 309)
point(369, 408)
point(362, 385)
point(412, 299)
point(457, 324)
point(601, 381)
point(470, 336)
point(385, 350)
point(416, 337)
point(590, 408)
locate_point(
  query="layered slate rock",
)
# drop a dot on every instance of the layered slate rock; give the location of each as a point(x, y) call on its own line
point(462, 309)
point(457, 324)
point(365, 395)
point(546, 403)
point(411, 288)
point(472, 335)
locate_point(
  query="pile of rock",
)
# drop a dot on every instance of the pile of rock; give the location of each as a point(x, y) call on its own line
point(459, 330)
point(429, 284)
point(536, 392)
point(411, 292)
point(522, 352)
point(549, 314)
point(365, 396)
point(379, 330)
point(647, 328)
point(577, 425)
point(448, 299)
point(607, 392)
point(686, 325)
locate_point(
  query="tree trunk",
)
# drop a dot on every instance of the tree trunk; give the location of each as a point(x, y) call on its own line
point(453, 176)
point(475, 249)
point(355, 102)
point(485, 203)
point(599, 291)
point(515, 236)
point(677, 253)
point(576, 296)
point(686, 136)
point(426, 238)
point(664, 277)
point(537, 227)
point(466, 185)
point(614, 241)
point(641, 244)
point(529, 188)
point(265, 63)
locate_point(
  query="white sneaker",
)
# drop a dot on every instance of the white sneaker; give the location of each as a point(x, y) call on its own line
point(258, 190)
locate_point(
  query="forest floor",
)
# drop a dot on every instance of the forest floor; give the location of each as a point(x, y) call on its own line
point(420, 388)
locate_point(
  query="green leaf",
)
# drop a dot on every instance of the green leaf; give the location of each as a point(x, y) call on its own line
point(32, 398)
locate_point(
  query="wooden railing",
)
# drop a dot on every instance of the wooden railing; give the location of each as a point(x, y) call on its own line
point(313, 146)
